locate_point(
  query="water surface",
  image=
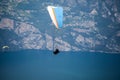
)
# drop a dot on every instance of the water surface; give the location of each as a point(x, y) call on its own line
point(43, 65)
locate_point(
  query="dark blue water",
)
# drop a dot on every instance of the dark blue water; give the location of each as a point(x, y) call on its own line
point(43, 65)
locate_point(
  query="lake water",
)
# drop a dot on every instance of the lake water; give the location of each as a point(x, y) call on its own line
point(44, 65)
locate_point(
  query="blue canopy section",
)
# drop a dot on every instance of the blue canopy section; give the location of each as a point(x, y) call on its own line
point(59, 16)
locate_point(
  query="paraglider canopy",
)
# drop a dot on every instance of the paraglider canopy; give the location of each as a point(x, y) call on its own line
point(5, 48)
point(56, 14)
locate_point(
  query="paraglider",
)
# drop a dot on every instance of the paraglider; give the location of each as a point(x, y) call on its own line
point(56, 15)
point(5, 48)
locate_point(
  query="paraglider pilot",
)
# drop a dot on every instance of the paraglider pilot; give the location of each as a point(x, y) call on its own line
point(56, 51)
